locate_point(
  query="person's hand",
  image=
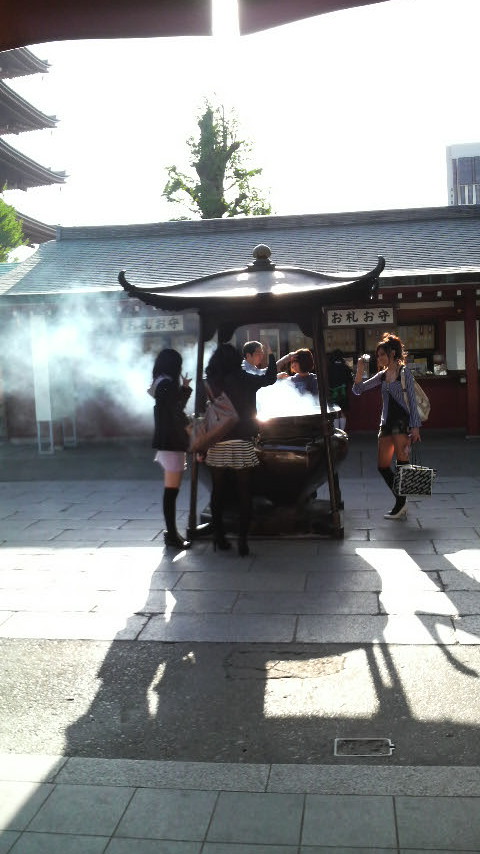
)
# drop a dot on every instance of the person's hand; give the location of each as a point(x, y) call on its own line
point(186, 380)
point(282, 375)
point(415, 434)
point(360, 369)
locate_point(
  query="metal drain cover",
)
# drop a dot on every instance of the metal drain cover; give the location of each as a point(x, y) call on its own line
point(363, 747)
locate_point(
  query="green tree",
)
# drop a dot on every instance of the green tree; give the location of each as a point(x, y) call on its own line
point(224, 185)
point(11, 234)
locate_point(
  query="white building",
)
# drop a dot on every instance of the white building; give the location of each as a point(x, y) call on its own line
point(463, 174)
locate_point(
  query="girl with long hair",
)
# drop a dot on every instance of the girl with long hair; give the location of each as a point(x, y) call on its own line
point(399, 419)
point(171, 391)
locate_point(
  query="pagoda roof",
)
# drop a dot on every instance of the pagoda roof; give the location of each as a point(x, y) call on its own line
point(431, 246)
point(35, 231)
point(17, 115)
point(19, 172)
point(20, 62)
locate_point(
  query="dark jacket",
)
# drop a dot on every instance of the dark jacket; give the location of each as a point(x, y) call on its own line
point(340, 381)
point(169, 418)
point(242, 388)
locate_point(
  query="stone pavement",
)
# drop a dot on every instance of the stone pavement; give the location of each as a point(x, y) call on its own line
point(82, 560)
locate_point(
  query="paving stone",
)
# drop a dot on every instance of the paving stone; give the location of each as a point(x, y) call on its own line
point(237, 580)
point(72, 626)
point(418, 602)
point(148, 846)
point(156, 774)
point(353, 580)
point(232, 628)
point(467, 630)
point(72, 809)
point(243, 848)
point(58, 843)
point(19, 801)
point(30, 767)
point(273, 819)
point(7, 838)
point(362, 780)
point(168, 814)
point(344, 820)
point(433, 824)
point(331, 602)
point(375, 629)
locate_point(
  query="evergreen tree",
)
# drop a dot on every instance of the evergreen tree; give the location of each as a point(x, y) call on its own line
point(224, 185)
point(11, 234)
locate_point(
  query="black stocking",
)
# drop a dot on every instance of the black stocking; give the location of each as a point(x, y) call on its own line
point(244, 478)
point(217, 499)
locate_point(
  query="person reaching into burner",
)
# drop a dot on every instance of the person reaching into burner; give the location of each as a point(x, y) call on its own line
point(253, 353)
point(301, 375)
point(237, 451)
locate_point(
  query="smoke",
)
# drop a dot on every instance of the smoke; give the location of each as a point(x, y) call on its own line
point(81, 360)
point(283, 398)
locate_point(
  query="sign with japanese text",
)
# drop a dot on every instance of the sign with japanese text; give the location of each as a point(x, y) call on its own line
point(162, 323)
point(360, 316)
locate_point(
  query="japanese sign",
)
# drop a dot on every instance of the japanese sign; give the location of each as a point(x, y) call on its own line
point(360, 316)
point(162, 323)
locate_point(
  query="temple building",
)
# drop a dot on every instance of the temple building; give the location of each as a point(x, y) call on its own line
point(17, 171)
point(73, 334)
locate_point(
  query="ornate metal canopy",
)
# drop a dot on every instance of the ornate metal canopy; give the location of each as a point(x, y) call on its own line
point(262, 292)
point(26, 22)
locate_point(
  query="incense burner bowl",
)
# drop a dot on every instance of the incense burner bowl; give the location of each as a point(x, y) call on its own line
point(292, 456)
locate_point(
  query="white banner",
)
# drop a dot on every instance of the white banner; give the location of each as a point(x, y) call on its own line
point(360, 316)
point(162, 323)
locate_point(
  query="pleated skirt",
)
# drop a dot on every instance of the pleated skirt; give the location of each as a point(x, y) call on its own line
point(232, 454)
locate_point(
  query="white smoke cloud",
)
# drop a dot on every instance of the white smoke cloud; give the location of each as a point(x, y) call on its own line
point(90, 361)
point(283, 398)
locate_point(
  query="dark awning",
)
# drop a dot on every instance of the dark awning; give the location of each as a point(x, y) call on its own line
point(26, 22)
point(262, 291)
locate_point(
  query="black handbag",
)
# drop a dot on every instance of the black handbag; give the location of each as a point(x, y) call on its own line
point(413, 479)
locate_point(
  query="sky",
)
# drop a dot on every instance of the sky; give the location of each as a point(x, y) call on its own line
point(347, 111)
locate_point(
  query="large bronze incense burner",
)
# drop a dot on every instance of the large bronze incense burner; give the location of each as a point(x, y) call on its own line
point(293, 462)
point(300, 452)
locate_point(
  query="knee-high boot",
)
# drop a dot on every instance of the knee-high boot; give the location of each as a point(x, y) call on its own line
point(388, 476)
point(399, 509)
point(171, 535)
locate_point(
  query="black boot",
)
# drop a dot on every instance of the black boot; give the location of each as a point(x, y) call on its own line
point(388, 476)
point(399, 510)
point(171, 535)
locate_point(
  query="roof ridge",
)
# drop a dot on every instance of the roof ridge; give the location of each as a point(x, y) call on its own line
point(230, 224)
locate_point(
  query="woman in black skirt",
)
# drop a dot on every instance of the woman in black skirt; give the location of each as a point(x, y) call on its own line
point(399, 420)
point(237, 451)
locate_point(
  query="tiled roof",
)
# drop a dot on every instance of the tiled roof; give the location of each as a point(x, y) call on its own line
point(415, 240)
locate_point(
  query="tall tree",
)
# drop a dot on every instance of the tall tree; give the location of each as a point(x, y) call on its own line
point(224, 185)
point(11, 234)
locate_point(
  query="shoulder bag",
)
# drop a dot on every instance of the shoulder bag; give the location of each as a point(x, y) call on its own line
point(220, 417)
point(423, 403)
